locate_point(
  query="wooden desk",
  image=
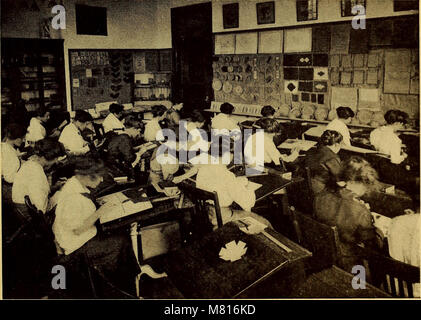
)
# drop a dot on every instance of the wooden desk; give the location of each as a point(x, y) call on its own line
point(199, 273)
point(162, 210)
point(271, 183)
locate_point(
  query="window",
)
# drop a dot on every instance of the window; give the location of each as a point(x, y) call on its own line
point(307, 10)
point(347, 5)
point(91, 20)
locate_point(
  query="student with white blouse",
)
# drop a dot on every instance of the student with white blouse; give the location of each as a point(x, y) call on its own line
point(339, 124)
point(386, 140)
point(113, 121)
point(215, 176)
point(153, 128)
point(76, 234)
point(10, 160)
point(224, 119)
point(269, 152)
point(36, 130)
point(71, 136)
point(31, 179)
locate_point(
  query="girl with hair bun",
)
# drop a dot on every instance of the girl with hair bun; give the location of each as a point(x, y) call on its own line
point(339, 124)
point(76, 233)
point(344, 209)
point(31, 179)
point(324, 162)
point(385, 138)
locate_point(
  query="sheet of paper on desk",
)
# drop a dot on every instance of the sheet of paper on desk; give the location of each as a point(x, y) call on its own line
point(124, 205)
point(315, 131)
point(304, 145)
point(357, 149)
point(253, 186)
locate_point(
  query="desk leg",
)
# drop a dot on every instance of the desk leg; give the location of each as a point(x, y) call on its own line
point(291, 214)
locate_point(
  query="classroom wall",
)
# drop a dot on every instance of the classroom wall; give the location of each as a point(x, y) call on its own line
point(285, 13)
point(143, 24)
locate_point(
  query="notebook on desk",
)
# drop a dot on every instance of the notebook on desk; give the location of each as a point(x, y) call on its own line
point(125, 203)
point(304, 145)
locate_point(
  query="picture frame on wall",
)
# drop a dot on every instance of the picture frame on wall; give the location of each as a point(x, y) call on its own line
point(347, 5)
point(230, 16)
point(265, 12)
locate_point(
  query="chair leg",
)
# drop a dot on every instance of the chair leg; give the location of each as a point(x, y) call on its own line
point(144, 269)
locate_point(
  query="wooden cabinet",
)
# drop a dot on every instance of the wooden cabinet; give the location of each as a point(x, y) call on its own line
point(32, 71)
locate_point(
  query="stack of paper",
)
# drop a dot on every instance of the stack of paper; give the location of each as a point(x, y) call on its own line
point(233, 251)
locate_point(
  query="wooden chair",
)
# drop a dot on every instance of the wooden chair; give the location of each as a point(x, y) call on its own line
point(393, 276)
point(322, 240)
point(200, 199)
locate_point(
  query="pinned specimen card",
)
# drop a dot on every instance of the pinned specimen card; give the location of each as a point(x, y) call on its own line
point(345, 77)
point(321, 39)
point(335, 61)
point(358, 77)
point(298, 40)
point(224, 44)
point(372, 76)
point(271, 41)
point(246, 43)
point(320, 86)
point(291, 86)
point(368, 98)
point(321, 74)
point(340, 38)
point(344, 97)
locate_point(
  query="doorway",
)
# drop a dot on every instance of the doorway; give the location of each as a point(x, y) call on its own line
point(192, 43)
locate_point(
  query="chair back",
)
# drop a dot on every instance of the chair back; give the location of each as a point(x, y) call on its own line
point(39, 222)
point(393, 276)
point(322, 240)
point(201, 199)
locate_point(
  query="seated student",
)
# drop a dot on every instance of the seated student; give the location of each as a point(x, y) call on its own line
point(31, 179)
point(10, 160)
point(112, 121)
point(271, 153)
point(153, 127)
point(267, 112)
point(76, 234)
point(345, 210)
point(215, 176)
point(386, 140)
point(404, 241)
point(172, 118)
point(161, 170)
point(224, 120)
point(71, 136)
point(119, 146)
point(339, 124)
point(36, 130)
point(324, 162)
point(196, 138)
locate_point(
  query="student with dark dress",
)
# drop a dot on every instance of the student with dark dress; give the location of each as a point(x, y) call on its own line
point(344, 209)
point(119, 148)
point(324, 162)
point(268, 112)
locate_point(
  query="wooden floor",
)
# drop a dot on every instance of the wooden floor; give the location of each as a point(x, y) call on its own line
point(329, 283)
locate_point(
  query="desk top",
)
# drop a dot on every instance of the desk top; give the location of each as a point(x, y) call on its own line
point(198, 272)
point(271, 183)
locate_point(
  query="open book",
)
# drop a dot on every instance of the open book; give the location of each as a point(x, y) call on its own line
point(125, 203)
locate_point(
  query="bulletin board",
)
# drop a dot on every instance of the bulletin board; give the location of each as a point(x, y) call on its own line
point(334, 66)
point(103, 75)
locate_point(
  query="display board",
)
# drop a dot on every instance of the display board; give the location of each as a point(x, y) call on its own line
point(98, 76)
point(312, 83)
